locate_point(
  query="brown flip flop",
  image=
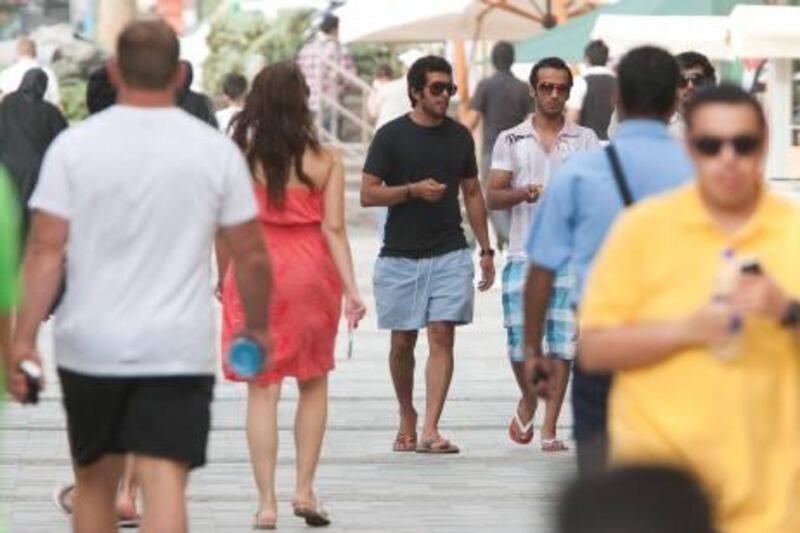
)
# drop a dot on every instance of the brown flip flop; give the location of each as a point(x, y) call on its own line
point(405, 442)
point(314, 515)
point(437, 445)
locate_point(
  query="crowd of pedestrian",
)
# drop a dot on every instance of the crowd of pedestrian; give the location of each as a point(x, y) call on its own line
point(646, 259)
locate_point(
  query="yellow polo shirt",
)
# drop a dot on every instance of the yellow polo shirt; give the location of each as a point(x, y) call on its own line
point(736, 424)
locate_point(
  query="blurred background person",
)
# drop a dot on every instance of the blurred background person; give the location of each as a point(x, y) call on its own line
point(697, 73)
point(11, 78)
point(323, 81)
point(196, 104)
point(694, 303)
point(383, 76)
point(234, 91)
point(636, 499)
point(300, 185)
point(500, 102)
point(100, 93)
point(28, 124)
point(591, 101)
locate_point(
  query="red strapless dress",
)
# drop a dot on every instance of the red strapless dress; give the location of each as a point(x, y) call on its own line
point(306, 291)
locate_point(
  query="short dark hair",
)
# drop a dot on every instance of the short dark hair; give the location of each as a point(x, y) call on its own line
point(648, 82)
point(418, 73)
point(549, 62)
point(234, 86)
point(329, 24)
point(725, 93)
point(656, 499)
point(100, 93)
point(503, 55)
point(147, 53)
point(384, 70)
point(688, 60)
point(596, 53)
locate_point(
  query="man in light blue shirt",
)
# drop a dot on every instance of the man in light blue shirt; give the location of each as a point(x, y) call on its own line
point(577, 210)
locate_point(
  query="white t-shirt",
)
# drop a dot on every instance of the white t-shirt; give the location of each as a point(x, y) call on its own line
point(392, 101)
point(518, 150)
point(225, 117)
point(11, 78)
point(144, 191)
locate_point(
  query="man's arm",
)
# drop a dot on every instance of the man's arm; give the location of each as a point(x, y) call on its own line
point(477, 215)
point(470, 118)
point(538, 288)
point(374, 193)
point(500, 194)
point(42, 271)
point(245, 246)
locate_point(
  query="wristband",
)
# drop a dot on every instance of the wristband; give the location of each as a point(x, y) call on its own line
point(488, 251)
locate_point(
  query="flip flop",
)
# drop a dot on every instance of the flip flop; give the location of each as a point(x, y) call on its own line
point(314, 515)
point(263, 526)
point(518, 431)
point(554, 446)
point(405, 442)
point(128, 523)
point(437, 445)
point(59, 495)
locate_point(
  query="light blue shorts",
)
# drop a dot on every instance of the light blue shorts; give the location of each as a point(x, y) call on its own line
point(411, 293)
point(559, 330)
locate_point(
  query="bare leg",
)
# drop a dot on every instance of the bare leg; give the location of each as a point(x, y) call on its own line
point(527, 403)
point(95, 490)
point(163, 485)
point(309, 430)
point(126, 498)
point(553, 405)
point(401, 364)
point(262, 438)
point(438, 374)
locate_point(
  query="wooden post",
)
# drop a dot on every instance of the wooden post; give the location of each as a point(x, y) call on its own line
point(113, 16)
point(461, 71)
point(560, 11)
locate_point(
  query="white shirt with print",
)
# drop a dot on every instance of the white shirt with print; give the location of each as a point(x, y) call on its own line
point(520, 151)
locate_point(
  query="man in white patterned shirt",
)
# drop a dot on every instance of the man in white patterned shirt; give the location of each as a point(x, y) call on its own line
point(523, 160)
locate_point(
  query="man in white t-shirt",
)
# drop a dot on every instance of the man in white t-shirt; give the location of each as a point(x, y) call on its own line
point(523, 160)
point(234, 89)
point(134, 197)
point(11, 77)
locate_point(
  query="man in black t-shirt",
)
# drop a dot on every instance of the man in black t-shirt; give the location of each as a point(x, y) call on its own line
point(424, 275)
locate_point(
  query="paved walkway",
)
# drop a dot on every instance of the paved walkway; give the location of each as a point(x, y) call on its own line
point(492, 485)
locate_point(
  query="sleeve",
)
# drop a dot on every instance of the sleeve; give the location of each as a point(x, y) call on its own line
point(52, 192)
point(592, 141)
point(478, 102)
point(613, 287)
point(501, 154)
point(577, 94)
point(9, 245)
point(470, 162)
point(379, 160)
point(238, 201)
point(550, 240)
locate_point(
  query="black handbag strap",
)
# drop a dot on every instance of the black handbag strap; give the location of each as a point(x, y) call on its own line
point(619, 175)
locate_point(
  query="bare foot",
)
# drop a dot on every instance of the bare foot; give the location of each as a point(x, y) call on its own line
point(126, 508)
point(266, 519)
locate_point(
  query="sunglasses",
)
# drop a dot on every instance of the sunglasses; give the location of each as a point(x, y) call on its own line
point(696, 80)
point(548, 88)
point(743, 145)
point(439, 87)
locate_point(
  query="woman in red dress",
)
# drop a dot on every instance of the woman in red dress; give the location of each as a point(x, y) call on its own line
point(300, 188)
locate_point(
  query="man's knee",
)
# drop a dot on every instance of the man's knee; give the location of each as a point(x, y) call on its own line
point(441, 335)
point(403, 343)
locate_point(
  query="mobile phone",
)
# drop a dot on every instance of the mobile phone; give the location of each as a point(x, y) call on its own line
point(33, 376)
point(750, 266)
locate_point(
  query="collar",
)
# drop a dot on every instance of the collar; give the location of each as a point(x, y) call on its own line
point(766, 216)
point(569, 129)
point(641, 127)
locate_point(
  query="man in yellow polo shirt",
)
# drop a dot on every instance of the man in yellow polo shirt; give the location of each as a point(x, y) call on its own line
point(706, 351)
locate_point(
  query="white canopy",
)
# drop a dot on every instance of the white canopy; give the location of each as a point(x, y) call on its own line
point(436, 20)
point(765, 31)
point(705, 34)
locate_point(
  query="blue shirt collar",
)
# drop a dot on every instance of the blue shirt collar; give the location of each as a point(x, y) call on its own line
point(641, 127)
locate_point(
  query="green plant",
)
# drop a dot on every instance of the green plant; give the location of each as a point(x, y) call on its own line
point(236, 39)
point(73, 100)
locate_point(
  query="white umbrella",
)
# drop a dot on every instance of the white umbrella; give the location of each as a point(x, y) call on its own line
point(438, 20)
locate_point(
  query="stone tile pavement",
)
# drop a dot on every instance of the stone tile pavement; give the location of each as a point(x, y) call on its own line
point(493, 485)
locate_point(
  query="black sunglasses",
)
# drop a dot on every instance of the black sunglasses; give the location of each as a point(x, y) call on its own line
point(743, 145)
point(696, 80)
point(437, 88)
point(548, 88)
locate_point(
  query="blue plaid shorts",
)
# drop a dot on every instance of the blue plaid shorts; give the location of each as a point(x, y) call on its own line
point(559, 331)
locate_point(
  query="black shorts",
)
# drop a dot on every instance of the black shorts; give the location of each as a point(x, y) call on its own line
point(164, 417)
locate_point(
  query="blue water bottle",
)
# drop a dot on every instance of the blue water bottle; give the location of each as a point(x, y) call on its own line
point(245, 357)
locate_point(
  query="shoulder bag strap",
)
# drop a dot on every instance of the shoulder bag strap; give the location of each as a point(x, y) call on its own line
point(619, 175)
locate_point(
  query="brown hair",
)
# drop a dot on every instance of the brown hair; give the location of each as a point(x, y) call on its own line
point(148, 52)
point(275, 128)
